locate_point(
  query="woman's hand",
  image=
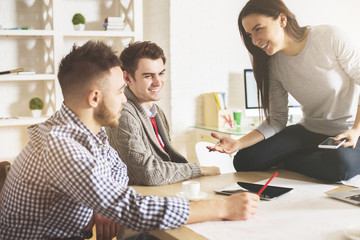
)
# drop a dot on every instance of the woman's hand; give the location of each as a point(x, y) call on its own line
point(351, 136)
point(226, 144)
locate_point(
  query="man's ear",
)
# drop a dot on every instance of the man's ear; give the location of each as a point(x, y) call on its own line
point(94, 98)
point(283, 20)
point(127, 78)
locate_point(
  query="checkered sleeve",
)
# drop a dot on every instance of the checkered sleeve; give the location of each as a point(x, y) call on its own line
point(86, 174)
point(152, 212)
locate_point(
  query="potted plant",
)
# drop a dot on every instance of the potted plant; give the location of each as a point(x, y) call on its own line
point(78, 21)
point(36, 105)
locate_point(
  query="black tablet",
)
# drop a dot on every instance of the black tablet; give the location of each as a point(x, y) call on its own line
point(269, 193)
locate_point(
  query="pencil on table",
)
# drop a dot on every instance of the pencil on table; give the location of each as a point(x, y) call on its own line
point(267, 183)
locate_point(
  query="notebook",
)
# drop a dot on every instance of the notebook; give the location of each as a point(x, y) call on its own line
point(269, 193)
point(350, 196)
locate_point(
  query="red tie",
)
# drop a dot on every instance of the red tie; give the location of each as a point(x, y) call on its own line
point(156, 132)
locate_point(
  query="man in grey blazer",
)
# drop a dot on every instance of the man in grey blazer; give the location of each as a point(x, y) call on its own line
point(142, 138)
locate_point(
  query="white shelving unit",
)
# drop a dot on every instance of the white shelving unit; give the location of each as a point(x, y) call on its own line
point(41, 49)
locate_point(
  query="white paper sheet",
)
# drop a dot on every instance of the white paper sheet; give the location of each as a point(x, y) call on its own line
point(304, 213)
point(353, 182)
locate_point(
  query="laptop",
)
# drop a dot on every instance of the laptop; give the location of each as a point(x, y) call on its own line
point(350, 196)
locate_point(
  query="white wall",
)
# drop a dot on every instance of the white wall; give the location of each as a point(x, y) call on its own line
point(207, 54)
point(203, 47)
point(344, 13)
point(157, 29)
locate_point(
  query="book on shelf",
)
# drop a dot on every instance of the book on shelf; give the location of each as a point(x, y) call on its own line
point(114, 23)
point(114, 26)
point(12, 71)
point(114, 19)
point(16, 28)
point(113, 29)
point(18, 71)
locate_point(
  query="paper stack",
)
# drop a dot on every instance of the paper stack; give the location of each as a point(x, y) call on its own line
point(114, 24)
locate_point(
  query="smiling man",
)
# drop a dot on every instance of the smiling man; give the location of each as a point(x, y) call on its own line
point(142, 138)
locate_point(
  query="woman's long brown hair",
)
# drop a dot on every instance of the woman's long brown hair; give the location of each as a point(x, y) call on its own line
point(260, 60)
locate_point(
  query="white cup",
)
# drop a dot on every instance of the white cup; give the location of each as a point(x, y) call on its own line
point(191, 189)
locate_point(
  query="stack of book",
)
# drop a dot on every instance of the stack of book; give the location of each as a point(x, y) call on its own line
point(114, 24)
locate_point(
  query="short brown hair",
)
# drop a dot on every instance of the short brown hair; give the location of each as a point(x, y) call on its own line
point(131, 55)
point(85, 65)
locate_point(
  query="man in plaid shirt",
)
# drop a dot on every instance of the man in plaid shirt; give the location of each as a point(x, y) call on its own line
point(68, 174)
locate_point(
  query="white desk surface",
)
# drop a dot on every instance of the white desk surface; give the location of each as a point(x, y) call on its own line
point(279, 219)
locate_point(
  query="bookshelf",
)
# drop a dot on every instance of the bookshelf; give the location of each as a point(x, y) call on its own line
point(41, 48)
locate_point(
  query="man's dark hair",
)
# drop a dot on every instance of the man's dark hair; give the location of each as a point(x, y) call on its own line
point(85, 65)
point(131, 55)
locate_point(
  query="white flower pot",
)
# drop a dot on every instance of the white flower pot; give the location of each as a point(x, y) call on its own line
point(36, 113)
point(79, 27)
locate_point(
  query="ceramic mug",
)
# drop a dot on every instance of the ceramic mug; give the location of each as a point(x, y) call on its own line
point(191, 189)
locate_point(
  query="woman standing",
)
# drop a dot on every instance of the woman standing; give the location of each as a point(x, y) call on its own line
point(320, 68)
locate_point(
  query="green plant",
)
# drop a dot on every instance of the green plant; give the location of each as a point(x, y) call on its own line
point(36, 104)
point(78, 18)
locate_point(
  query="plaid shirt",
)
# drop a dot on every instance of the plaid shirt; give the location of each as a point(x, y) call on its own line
point(65, 172)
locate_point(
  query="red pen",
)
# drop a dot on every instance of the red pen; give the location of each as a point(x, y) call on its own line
point(267, 183)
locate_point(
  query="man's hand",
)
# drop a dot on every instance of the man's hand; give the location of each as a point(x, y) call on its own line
point(208, 171)
point(105, 228)
point(240, 206)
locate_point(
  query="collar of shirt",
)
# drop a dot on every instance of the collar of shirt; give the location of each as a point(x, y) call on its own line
point(152, 112)
point(70, 116)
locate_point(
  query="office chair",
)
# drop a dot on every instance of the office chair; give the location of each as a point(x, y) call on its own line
point(4, 169)
point(221, 160)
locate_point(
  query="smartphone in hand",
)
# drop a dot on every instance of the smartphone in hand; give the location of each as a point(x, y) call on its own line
point(330, 143)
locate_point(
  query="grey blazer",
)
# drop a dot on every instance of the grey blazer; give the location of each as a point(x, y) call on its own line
point(136, 143)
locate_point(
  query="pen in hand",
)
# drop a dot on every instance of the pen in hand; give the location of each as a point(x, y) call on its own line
point(267, 183)
point(217, 144)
